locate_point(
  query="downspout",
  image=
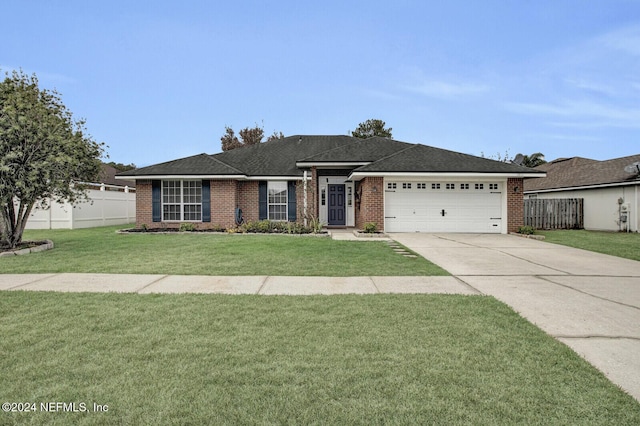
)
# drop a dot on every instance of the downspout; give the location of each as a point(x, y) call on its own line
point(635, 208)
point(304, 177)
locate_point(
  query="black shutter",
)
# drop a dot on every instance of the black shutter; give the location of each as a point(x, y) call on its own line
point(206, 201)
point(262, 199)
point(291, 194)
point(156, 200)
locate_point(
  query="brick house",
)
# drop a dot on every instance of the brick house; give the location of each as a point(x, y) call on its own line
point(343, 181)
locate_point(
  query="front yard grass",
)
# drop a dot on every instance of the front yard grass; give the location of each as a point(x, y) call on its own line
point(101, 250)
point(619, 244)
point(217, 359)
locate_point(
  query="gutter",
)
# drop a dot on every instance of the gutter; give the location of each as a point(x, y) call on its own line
point(211, 177)
point(146, 177)
point(575, 188)
point(464, 175)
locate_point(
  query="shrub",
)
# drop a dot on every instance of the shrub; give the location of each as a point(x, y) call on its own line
point(526, 230)
point(187, 227)
point(370, 227)
point(267, 226)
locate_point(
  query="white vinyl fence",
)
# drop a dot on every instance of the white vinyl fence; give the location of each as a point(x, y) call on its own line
point(107, 205)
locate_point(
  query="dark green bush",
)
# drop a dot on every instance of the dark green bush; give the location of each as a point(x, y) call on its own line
point(526, 230)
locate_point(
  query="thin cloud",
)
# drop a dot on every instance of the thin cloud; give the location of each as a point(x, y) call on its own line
point(563, 137)
point(379, 94)
point(447, 90)
point(591, 86)
point(597, 114)
point(625, 39)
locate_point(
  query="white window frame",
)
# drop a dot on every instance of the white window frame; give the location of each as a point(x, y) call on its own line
point(184, 186)
point(272, 214)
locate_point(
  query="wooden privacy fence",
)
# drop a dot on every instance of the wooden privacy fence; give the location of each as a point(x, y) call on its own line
point(554, 213)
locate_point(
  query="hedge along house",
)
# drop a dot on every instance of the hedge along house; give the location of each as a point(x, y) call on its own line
point(341, 180)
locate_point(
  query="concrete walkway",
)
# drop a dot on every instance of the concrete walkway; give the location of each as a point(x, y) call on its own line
point(267, 285)
point(589, 301)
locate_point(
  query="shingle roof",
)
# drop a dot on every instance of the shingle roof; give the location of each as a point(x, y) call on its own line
point(577, 171)
point(422, 158)
point(371, 149)
point(279, 158)
point(197, 165)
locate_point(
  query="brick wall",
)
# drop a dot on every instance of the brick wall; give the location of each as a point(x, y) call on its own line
point(515, 204)
point(312, 198)
point(248, 200)
point(224, 199)
point(371, 205)
point(143, 204)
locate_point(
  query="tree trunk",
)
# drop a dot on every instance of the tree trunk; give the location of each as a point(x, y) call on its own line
point(13, 223)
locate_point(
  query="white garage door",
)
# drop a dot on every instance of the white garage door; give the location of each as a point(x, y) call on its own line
point(413, 206)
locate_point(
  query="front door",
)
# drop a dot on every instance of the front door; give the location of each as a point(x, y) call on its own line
point(336, 205)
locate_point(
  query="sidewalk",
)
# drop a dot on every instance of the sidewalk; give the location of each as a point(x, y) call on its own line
point(265, 285)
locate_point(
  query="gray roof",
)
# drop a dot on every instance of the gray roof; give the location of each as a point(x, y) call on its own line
point(577, 171)
point(422, 158)
point(108, 177)
point(280, 157)
point(196, 165)
point(359, 150)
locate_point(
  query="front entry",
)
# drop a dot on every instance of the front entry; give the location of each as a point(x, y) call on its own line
point(336, 205)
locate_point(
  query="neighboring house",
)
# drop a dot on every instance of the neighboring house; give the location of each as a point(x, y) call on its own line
point(611, 199)
point(343, 181)
point(111, 202)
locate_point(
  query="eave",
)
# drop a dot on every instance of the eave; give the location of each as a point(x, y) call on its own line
point(173, 177)
point(576, 188)
point(356, 176)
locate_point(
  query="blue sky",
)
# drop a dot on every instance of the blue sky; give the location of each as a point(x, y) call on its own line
point(160, 80)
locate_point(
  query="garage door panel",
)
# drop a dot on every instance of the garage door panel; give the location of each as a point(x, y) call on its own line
point(421, 210)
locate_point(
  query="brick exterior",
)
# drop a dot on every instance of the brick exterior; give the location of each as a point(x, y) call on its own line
point(226, 195)
point(312, 197)
point(143, 204)
point(515, 204)
point(248, 200)
point(223, 204)
point(224, 199)
point(370, 208)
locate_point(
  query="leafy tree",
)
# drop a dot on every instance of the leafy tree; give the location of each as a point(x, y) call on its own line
point(44, 153)
point(121, 167)
point(230, 140)
point(370, 128)
point(251, 136)
point(533, 160)
point(248, 136)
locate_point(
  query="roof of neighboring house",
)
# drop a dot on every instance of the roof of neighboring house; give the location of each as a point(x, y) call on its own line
point(108, 177)
point(285, 157)
point(579, 172)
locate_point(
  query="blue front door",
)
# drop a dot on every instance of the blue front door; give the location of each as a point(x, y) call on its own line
point(336, 205)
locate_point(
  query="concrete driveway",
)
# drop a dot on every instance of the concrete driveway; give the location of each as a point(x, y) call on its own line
point(589, 301)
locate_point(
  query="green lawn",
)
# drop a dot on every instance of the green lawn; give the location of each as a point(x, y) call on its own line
point(619, 244)
point(216, 359)
point(101, 250)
